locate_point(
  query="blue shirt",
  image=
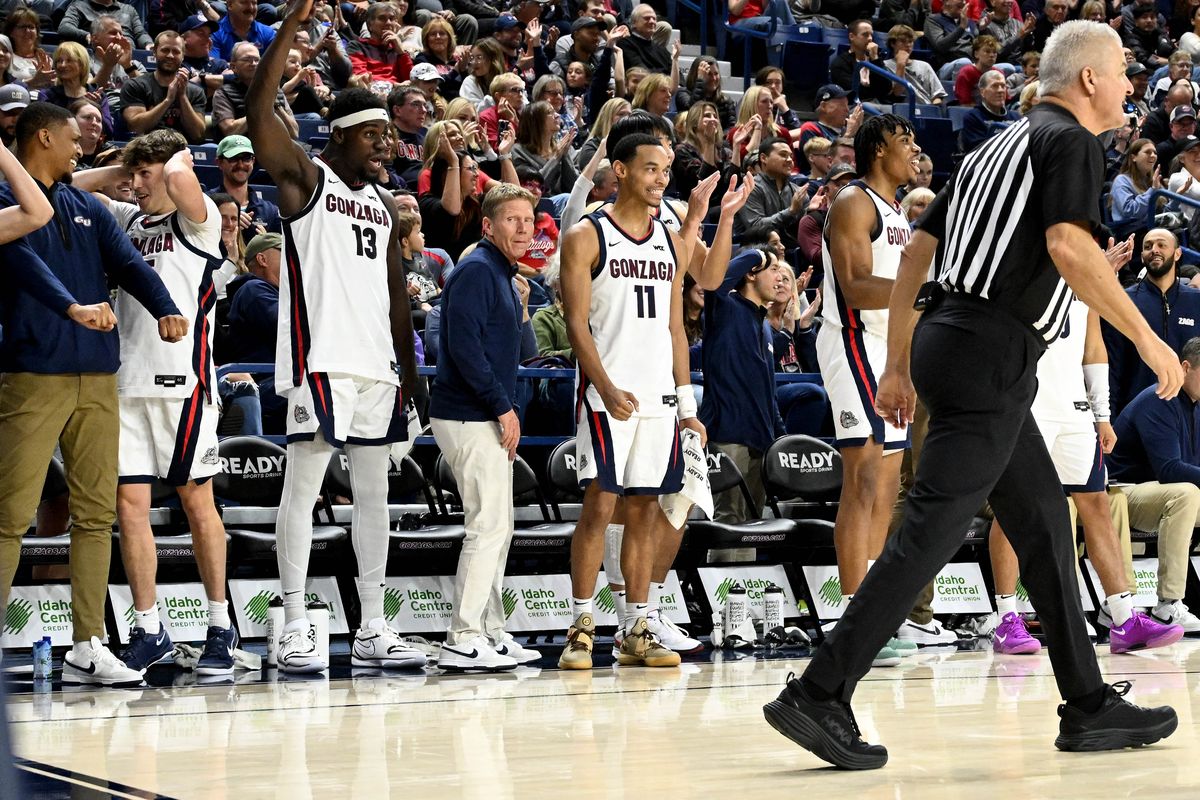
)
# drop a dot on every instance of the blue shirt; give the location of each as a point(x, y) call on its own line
point(224, 38)
point(479, 339)
point(253, 319)
point(1157, 441)
point(72, 259)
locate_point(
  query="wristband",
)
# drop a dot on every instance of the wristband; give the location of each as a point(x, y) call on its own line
point(685, 402)
point(504, 156)
point(1095, 378)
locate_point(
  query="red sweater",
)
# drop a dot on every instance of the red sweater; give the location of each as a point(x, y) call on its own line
point(382, 63)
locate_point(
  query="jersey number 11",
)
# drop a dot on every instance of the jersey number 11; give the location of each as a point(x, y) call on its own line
point(645, 301)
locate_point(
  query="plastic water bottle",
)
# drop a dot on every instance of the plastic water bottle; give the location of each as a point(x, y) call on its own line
point(772, 608)
point(736, 609)
point(42, 667)
point(274, 630)
point(318, 617)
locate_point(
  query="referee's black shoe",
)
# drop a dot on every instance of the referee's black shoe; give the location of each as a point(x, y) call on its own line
point(825, 728)
point(1115, 725)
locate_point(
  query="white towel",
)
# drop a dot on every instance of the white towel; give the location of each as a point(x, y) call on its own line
point(696, 490)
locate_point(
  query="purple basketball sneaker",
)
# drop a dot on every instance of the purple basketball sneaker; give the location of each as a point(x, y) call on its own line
point(1140, 632)
point(1012, 639)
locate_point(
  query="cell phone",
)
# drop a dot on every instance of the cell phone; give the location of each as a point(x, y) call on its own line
point(502, 127)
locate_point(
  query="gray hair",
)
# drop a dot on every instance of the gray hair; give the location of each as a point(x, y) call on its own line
point(1071, 47)
point(103, 21)
point(242, 47)
point(1191, 351)
point(990, 77)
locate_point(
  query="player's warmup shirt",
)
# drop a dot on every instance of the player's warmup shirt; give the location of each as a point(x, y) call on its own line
point(630, 313)
point(187, 257)
point(891, 233)
point(333, 286)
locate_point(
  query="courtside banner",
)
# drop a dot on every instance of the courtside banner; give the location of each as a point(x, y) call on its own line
point(958, 589)
point(182, 607)
point(826, 590)
point(37, 611)
point(717, 582)
point(251, 599)
point(1146, 572)
point(419, 604)
point(1085, 597)
point(672, 603)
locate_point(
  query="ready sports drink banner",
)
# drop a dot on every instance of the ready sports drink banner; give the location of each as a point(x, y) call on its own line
point(37, 611)
point(250, 600)
point(182, 607)
point(958, 589)
point(717, 581)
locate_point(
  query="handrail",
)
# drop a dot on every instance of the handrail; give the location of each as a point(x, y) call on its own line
point(525, 373)
point(894, 78)
point(1180, 199)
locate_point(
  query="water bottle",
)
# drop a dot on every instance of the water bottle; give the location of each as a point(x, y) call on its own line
point(318, 617)
point(772, 608)
point(736, 609)
point(274, 630)
point(41, 659)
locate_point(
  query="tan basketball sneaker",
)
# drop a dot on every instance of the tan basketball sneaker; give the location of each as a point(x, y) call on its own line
point(640, 647)
point(578, 652)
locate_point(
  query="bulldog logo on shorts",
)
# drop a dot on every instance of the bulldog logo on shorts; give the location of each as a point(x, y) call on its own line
point(301, 414)
point(848, 419)
point(210, 456)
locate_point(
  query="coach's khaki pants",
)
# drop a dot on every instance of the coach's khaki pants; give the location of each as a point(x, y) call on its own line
point(1173, 511)
point(485, 484)
point(78, 412)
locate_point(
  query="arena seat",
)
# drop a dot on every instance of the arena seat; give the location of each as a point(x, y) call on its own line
point(562, 480)
point(49, 549)
point(704, 535)
point(803, 471)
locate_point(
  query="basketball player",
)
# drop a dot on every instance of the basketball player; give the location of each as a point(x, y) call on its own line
point(344, 328)
point(865, 233)
point(167, 393)
point(1071, 410)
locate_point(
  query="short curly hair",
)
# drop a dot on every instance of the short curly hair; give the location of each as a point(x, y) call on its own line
point(155, 147)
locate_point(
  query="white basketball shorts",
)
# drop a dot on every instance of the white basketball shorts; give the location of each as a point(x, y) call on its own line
point(172, 438)
point(346, 409)
point(640, 455)
point(1075, 450)
point(851, 362)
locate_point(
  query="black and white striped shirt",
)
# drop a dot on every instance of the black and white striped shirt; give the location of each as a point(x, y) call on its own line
point(991, 217)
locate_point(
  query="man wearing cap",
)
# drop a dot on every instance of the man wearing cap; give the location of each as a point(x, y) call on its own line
point(76, 25)
point(13, 100)
point(207, 70)
point(1157, 126)
point(833, 113)
point(775, 203)
point(165, 98)
point(1149, 45)
point(586, 35)
point(240, 26)
point(229, 102)
point(1183, 127)
point(427, 78)
point(235, 157)
point(1139, 78)
point(253, 320)
point(409, 109)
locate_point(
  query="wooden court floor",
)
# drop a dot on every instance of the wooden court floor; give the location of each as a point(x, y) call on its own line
point(958, 725)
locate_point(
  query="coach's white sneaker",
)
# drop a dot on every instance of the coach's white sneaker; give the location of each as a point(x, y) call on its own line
point(474, 655)
point(930, 635)
point(298, 651)
point(670, 635)
point(377, 645)
point(1174, 612)
point(95, 664)
point(505, 645)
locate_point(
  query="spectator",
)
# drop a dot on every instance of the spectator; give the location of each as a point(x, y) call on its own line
point(327, 55)
point(440, 48)
point(549, 324)
point(926, 85)
point(14, 99)
point(1055, 14)
point(165, 98)
point(1157, 125)
point(1139, 77)
point(1170, 305)
point(76, 25)
point(451, 211)
point(756, 121)
point(536, 148)
point(903, 12)
point(253, 319)
point(833, 115)
point(1190, 41)
point(791, 316)
point(229, 103)
point(703, 152)
point(409, 110)
point(1157, 459)
point(231, 231)
point(1150, 46)
point(1187, 180)
point(307, 96)
point(818, 152)
point(989, 117)
point(92, 140)
point(1183, 126)
point(613, 110)
point(553, 90)
point(169, 15)
point(1007, 29)
point(486, 62)
point(915, 202)
point(640, 49)
point(950, 34)
point(72, 67)
point(380, 55)
point(578, 79)
point(206, 70)
point(872, 87)
point(1179, 68)
point(235, 157)
point(985, 50)
point(654, 95)
point(1129, 199)
point(408, 25)
point(704, 84)
point(1018, 81)
point(113, 64)
point(587, 34)
point(238, 26)
point(772, 78)
point(31, 65)
point(775, 203)
point(508, 96)
point(6, 54)
point(808, 232)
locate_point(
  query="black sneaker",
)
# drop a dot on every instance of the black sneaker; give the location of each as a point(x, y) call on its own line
point(1116, 725)
point(825, 728)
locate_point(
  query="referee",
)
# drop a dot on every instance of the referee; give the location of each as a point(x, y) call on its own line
point(1011, 232)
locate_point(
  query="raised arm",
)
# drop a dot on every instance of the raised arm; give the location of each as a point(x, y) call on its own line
point(32, 210)
point(282, 158)
point(183, 187)
point(712, 271)
point(685, 396)
point(851, 219)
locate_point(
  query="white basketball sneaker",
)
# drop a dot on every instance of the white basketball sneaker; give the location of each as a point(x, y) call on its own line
point(930, 635)
point(298, 651)
point(670, 635)
point(1174, 612)
point(474, 655)
point(506, 645)
point(97, 666)
point(377, 645)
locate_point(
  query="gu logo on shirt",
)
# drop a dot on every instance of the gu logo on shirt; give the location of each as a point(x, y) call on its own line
point(898, 235)
point(641, 269)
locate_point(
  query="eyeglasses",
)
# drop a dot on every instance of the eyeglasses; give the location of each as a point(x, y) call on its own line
point(417, 104)
point(248, 60)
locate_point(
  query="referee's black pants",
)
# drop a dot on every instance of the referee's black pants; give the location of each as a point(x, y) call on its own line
point(975, 368)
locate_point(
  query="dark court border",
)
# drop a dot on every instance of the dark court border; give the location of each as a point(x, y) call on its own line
point(45, 782)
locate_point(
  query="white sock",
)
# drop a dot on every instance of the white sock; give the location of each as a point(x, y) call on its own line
point(296, 625)
point(657, 590)
point(218, 614)
point(1006, 604)
point(581, 606)
point(148, 620)
point(619, 602)
point(1120, 607)
point(369, 524)
point(306, 464)
point(634, 612)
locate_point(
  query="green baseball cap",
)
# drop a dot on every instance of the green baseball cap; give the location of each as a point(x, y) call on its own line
point(262, 243)
point(234, 145)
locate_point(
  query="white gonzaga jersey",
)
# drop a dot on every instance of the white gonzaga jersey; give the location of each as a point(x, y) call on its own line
point(188, 258)
point(1062, 395)
point(333, 286)
point(891, 233)
point(630, 314)
point(669, 216)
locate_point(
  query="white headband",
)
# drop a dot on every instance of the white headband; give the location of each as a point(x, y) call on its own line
point(359, 117)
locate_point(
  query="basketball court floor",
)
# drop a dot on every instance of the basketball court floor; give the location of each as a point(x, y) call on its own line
point(958, 724)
